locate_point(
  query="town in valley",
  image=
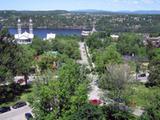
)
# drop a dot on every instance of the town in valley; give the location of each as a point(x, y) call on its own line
point(80, 61)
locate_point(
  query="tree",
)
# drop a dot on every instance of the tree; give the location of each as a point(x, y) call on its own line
point(8, 56)
point(25, 60)
point(40, 46)
point(154, 72)
point(115, 112)
point(67, 45)
point(108, 56)
point(87, 112)
point(129, 44)
point(115, 78)
point(48, 60)
point(152, 111)
point(58, 98)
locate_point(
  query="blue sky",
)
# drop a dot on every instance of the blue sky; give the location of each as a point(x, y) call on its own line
point(109, 5)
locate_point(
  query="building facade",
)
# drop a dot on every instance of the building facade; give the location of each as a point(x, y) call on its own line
point(24, 38)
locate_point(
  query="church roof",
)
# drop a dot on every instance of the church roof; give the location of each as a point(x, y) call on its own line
point(24, 36)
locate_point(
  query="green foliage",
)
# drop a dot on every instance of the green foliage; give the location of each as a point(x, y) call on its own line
point(15, 59)
point(130, 43)
point(40, 46)
point(98, 40)
point(115, 79)
point(139, 94)
point(68, 46)
point(58, 98)
point(87, 112)
point(153, 53)
point(153, 110)
point(48, 60)
point(154, 76)
point(113, 112)
point(106, 57)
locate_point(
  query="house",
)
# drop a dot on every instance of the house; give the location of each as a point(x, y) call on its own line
point(115, 37)
point(50, 36)
point(154, 41)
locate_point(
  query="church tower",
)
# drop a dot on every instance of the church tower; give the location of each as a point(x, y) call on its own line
point(30, 26)
point(19, 27)
point(94, 27)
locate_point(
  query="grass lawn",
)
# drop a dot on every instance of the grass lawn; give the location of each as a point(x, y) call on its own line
point(142, 95)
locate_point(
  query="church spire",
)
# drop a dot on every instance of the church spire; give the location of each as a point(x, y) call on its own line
point(30, 26)
point(94, 26)
point(19, 26)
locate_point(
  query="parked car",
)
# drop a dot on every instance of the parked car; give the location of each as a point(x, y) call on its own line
point(142, 75)
point(119, 100)
point(121, 108)
point(20, 81)
point(4, 109)
point(28, 116)
point(95, 101)
point(19, 104)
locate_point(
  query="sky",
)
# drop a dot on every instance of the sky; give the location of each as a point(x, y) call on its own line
point(108, 5)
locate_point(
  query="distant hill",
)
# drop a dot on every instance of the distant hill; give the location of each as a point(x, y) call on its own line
point(88, 11)
point(118, 12)
point(14, 12)
point(140, 12)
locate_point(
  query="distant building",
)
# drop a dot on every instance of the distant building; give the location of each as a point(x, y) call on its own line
point(115, 37)
point(50, 36)
point(87, 33)
point(154, 41)
point(24, 38)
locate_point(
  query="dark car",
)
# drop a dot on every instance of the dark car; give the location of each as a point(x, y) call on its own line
point(19, 104)
point(20, 81)
point(28, 116)
point(119, 100)
point(4, 109)
point(142, 75)
point(121, 108)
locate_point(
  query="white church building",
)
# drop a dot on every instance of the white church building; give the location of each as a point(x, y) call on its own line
point(24, 38)
point(87, 33)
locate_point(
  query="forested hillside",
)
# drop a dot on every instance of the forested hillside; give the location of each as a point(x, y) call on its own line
point(105, 21)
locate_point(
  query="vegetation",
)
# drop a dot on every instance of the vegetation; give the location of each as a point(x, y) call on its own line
point(58, 98)
point(115, 79)
point(109, 22)
point(60, 88)
point(139, 95)
point(14, 59)
point(131, 44)
point(152, 110)
point(106, 57)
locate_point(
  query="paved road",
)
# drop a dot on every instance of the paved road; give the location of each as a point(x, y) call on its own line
point(95, 92)
point(84, 59)
point(16, 114)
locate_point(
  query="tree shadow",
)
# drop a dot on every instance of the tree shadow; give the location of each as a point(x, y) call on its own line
point(12, 92)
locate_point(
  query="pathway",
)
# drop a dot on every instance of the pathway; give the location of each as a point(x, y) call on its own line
point(95, 92)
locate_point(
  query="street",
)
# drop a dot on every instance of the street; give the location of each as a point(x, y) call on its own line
point(16, 114)
point(95, 92)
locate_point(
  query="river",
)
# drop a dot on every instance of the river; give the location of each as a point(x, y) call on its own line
point(42, 32)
